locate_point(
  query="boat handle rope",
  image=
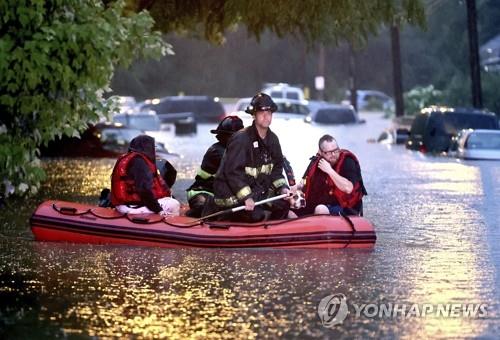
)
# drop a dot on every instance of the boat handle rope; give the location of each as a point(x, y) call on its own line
point(72, 211)
point(107, 217)
point(139, 220)
point(69, 210)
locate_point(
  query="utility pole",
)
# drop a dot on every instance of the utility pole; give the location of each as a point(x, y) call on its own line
point(396, 70)
point(475, 71)
point(352, 78)
point(319, 81)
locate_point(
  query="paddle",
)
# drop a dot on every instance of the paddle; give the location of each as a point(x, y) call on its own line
point(242, 207)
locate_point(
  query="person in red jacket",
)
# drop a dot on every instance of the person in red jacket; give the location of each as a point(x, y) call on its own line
point(332, 183)
point(136, 184)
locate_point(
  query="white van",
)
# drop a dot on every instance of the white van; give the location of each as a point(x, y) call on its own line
point(283, 90)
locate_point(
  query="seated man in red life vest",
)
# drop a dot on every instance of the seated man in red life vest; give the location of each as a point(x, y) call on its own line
point(332, 183)
point(136, 185)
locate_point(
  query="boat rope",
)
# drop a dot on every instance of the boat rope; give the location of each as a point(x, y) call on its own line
point(349, 222)
point(224, 224)
point(142, 219)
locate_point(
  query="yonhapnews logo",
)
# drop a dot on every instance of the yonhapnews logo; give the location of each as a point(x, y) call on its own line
point(334, 308)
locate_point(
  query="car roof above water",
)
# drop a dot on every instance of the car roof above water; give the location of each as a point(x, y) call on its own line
point(454, 110)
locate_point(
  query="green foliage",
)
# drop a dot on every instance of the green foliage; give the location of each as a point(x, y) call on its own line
point(440, 55)
point(491, 95)
point(312, 20)
point(419, 97)
point(458, 91)
point(56, 59)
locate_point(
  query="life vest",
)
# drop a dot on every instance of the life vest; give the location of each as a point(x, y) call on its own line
point(316, 181)
point(122, 186)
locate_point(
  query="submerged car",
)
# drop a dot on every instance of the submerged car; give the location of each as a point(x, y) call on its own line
point(370, 100)
point(140, 121)
point(103, 140)
point(100, 140)
point(434, 127)
point(334, 114)
point(203, 109)
point(478, 144)
point(283, 91)
point(286, 108)
point(149, 121)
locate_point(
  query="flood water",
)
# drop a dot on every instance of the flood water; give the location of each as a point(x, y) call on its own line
point(438, 245)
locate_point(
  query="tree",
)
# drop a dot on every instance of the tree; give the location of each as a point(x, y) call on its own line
point(439, 56)
point(56, 58)
point(312, 20)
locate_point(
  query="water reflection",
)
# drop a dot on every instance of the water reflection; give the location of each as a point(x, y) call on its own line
point(451, 273)
point(112, 291)
point(437, 226)
point(446, 177)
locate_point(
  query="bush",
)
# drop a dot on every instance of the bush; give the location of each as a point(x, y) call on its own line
point(420, 97)
point(491, 94)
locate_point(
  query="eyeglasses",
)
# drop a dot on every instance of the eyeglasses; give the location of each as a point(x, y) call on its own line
point(331, 152)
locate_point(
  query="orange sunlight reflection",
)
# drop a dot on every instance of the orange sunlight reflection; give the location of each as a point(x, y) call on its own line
point(449, 274)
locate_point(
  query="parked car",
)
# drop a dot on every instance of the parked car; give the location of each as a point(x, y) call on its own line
point(478, 144)
point(203, 109)
point(334, 114)
point(433, 128)
point(283, 91)
point(103, 140)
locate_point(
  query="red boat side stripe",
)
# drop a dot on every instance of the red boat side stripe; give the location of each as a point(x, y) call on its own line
point(171, 237)
point(114, 240)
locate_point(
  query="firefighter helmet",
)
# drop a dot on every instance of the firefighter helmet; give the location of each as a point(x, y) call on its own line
point(228, 126)
point(261, 102)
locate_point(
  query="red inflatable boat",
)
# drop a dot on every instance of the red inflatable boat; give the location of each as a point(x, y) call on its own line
point(60, 221)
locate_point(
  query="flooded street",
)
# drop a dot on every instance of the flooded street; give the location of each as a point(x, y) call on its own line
point(438, 243)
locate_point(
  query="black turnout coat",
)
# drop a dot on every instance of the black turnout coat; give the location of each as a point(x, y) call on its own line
point(251, 167)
